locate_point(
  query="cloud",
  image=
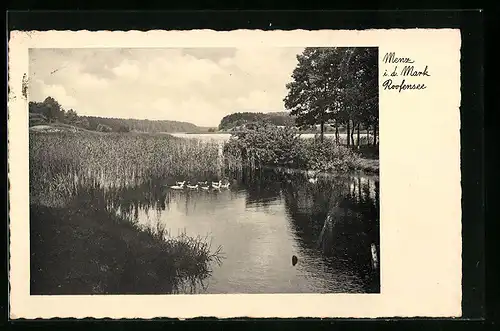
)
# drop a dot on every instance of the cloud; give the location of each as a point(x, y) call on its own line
point(127, 70)
point(196, 85)
point(258, 100)
point(59, 93)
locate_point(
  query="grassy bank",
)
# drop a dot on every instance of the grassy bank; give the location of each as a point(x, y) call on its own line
point(85, 251)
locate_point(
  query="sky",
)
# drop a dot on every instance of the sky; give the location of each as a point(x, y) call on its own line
point(197, 85)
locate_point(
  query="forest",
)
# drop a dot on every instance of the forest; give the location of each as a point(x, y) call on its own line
point(239, 119)
point(50, 111)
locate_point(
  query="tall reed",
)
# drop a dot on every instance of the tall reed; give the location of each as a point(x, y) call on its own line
point(60, 160)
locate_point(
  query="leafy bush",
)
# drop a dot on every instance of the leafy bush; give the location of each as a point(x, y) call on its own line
point(327, 156)
point(103, 128)
point(265, 144)
point(123, 128)
point(268, 145)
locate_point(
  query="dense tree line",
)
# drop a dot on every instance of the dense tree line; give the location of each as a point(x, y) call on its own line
point(141, 125)
point(244, 118)
point(336, 85)
point(50, 111)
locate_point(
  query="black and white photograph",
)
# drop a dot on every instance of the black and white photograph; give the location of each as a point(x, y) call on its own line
point(235, 174)
point(204, 170)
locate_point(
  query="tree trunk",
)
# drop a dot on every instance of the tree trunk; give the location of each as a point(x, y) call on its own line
point(244, 156)
point(357, 138)
point(336, 133)
point(368, 135)
point(348, 132)
point(375, 135)
point(352, 133)
point(322, 129)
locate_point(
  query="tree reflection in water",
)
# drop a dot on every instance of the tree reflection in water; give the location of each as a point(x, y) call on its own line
point(338, 219)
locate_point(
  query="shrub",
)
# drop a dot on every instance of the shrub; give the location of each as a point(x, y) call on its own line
point(327, 156)
point(123, 128)
point(268, 145)
point(103, 128)
point(265, 144)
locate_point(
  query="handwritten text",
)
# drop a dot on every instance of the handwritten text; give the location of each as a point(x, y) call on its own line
point(407, 69)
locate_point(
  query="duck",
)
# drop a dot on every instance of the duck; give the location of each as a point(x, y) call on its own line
point(217, 185)
point(295, 259)
point(180, 183)
point(226, 185)
point(194, 187)
point(179, 186)
point(204, 185)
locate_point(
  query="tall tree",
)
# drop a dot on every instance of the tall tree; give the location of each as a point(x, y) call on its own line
point(314, 87)
point(71, 116)
point(361, 89)
point(53, 110)
point(338, 84)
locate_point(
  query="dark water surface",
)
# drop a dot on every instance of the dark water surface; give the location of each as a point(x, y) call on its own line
point(264, 219)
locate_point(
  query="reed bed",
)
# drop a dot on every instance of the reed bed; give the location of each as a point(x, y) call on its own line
point(60, 161)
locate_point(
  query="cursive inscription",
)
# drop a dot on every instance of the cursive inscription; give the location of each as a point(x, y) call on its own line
point(389, 85)
point(410, 72)
point(391, 58)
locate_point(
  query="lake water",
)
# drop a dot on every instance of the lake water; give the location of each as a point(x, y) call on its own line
point(264, 219)
point(226, 136)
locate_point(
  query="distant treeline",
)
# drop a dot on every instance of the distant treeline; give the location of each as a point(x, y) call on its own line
point(247, 119)
point(50, 111)
point(243, 118)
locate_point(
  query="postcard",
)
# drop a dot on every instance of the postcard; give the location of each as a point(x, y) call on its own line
point(245, 173)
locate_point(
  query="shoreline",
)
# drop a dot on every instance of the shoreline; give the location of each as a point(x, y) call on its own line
point(367, 170)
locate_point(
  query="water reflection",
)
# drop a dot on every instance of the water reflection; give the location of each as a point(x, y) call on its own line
point(264, 219)
point(337, 219)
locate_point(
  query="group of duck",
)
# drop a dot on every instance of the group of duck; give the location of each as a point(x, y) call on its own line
point(200, 185)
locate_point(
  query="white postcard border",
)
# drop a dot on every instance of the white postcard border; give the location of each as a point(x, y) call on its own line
point(420, 192)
